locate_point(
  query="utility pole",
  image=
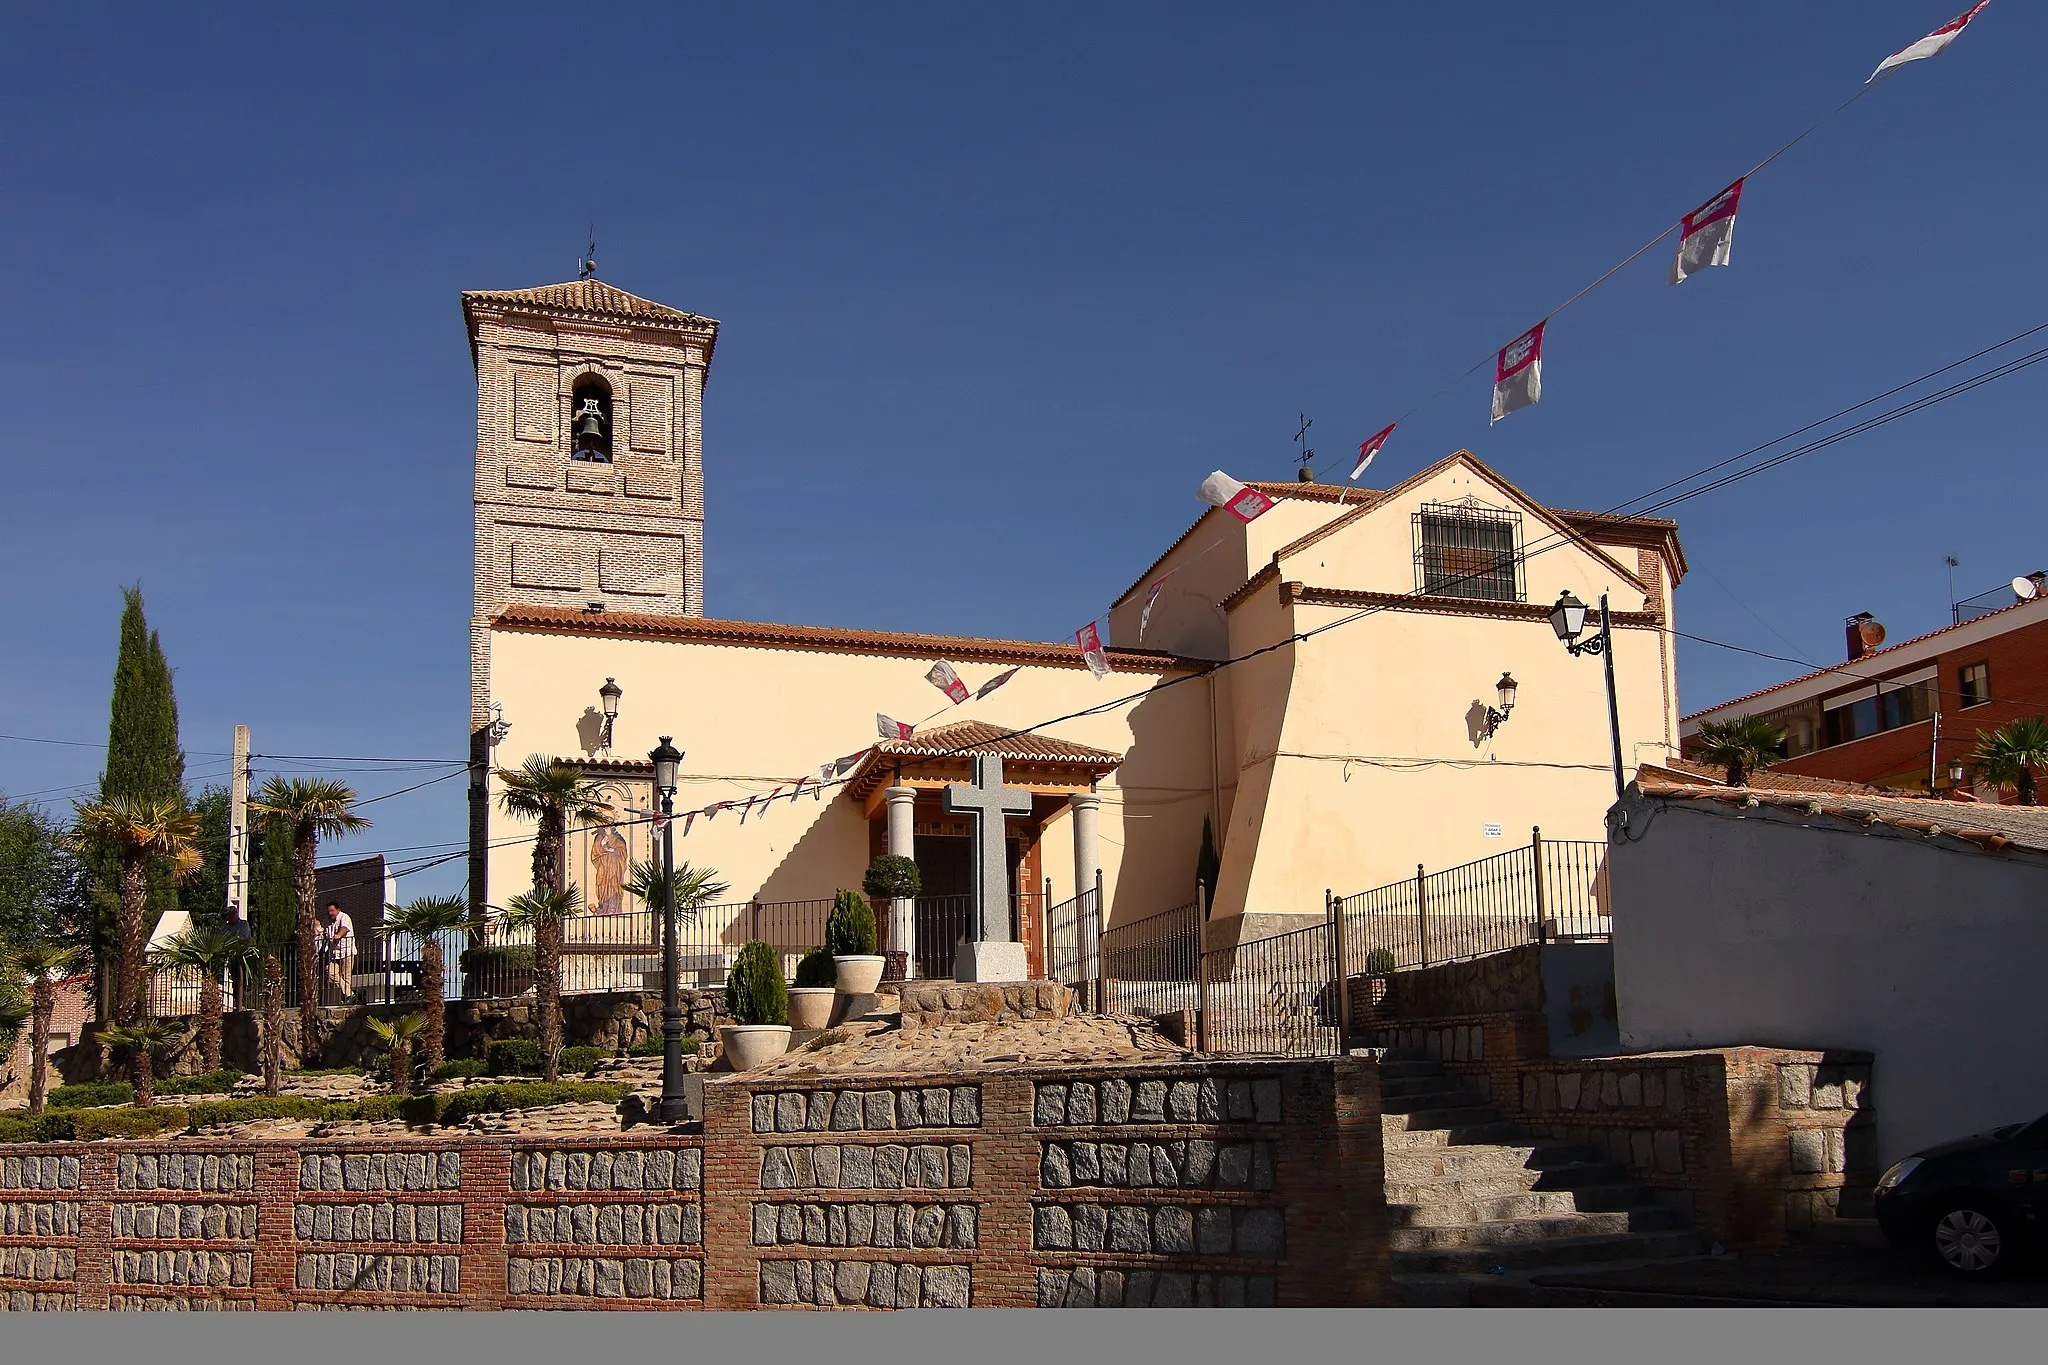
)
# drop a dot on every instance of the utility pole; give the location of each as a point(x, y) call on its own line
point(238, 835)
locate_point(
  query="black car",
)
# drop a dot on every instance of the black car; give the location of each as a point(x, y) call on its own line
point(1976, 1204)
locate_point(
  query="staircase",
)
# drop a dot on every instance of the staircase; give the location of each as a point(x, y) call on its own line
point(1471, 1198)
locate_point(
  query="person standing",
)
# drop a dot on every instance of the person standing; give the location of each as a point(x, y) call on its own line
point(338, 944)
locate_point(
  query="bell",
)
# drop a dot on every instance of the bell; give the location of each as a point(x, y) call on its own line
point(590, 422)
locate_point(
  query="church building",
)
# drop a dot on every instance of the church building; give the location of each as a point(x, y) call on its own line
point(1401, 698)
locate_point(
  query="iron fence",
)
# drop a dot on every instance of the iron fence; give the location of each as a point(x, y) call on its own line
point(1547, 889)
point(1149, 966)
point(1272, 996)
point(1071, 945)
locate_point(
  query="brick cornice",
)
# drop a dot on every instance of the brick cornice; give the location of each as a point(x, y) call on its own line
point(1301, 594)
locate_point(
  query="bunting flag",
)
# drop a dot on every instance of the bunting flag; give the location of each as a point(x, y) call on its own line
point(843, 766)
point(1151, 596)
point(889, 728)
point(1518, 373)
point(689, 820)
point(993, 683)
point(943, 677)
point(1932, 45)
point(1706, 233)
point(1092, 651)
point(1369, 448)
point(747, 809)
point(1246, 504)
point(711, 811)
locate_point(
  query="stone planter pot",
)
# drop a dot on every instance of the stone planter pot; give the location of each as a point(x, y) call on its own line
point(810, 1007)
point(750, 1045)
point(860, 974)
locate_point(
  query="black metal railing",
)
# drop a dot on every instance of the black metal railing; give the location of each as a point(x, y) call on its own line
point(1149, 965)
point(1272, 996)
point(1548, 889)
point(1071, 944)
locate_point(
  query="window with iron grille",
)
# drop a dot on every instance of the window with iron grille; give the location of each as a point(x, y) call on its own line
point(1463, 550)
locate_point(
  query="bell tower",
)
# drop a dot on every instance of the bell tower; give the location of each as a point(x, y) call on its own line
point(589, 463)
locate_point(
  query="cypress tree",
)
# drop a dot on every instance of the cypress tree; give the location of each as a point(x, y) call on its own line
point(144, 760)
point(1207, 864)
point(273, 897)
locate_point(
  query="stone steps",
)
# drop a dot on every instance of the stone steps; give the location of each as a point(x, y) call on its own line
point(1554, 1251)
point(1473, 1200)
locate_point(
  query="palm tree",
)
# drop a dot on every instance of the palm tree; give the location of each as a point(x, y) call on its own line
point(143, 1041)
point(550, 792)
point(307, 810)
point(397, 1036)
point(543, 912)
point(137, 832)
point(426, 919)
point(696, 887)
point(209, 951)
point(273, 1022)
point(2007, 756)
point(1743, 745)
point(42, 965)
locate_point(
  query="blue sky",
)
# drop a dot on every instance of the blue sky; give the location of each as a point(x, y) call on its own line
point(1013, 276)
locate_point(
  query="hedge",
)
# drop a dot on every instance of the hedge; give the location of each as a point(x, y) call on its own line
point(460, 1068)
point(497, 1099)
point(207, 1113)
point(521, 1057)
point(90, 1125)
point(207, 1083)
point(91, 1094)
point(86, 1125)
point(655, 1047)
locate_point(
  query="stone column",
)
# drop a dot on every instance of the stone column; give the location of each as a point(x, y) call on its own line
point(1087, 862)
point(902, 913)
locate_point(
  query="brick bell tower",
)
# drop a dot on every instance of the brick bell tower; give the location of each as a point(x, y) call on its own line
point(589, 470)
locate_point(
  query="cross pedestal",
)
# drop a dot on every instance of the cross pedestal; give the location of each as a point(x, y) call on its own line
point(990, 952)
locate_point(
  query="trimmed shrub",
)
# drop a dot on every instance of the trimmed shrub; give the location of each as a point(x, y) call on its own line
point(512, 1057)
point(1379, 962)
point(579, 1059)
point(90, 1125)
point(54, 1126)
point(460, 1069)
point(816, 968)
point(654, 1047)
point(892, 877)
point(91, 1094)
point(207, 1113)
point(850, 930)
point(755, 992)
point(498, 1099)
point(209, 1083)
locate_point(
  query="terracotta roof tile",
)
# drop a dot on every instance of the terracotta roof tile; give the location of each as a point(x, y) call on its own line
point(979, 736)
point(1989, 827)
point(592, 297)
point(771, 635)
point(1772, 779)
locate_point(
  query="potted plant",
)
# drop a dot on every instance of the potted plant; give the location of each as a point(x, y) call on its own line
point(497, 971)
point(812, 994)
point(894, 878)
point(758, 999)
point(850, 935)
point(1379, 965)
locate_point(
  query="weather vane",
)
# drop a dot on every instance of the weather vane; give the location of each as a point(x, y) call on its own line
point(587, 267)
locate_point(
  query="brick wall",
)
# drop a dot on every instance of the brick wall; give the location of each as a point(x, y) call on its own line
point(1202, 1183)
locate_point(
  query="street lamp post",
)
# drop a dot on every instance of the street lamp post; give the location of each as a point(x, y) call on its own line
point(674, 1108)
point(1568, 619)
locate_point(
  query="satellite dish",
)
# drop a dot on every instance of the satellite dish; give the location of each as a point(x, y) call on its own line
point(2025, 589)
point(1871, 633)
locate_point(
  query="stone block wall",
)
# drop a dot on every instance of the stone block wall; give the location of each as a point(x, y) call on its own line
point(1508, 982)
point(1226, 1183)
point(1212, 1183)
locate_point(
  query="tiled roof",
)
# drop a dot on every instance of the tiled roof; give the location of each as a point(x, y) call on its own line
point(975, 736)
point(1771, 779)
point(592, 297)
point(1987, 827)
point(1862, 665)
point(762, 634)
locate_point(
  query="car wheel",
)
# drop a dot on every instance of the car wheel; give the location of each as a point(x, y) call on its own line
point(1972, 1241)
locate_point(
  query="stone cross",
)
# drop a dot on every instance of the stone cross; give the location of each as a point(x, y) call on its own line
point(988, 801)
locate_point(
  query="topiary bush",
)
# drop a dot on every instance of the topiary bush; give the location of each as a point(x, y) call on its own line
point(207, 1083)
point(580, 1059)
point(755, 992)
point(460, 1069)
point(54, 1126)
point(892, 877)
point(90, 1125)
point(850, 929)
point(1379, 962)
point(512, 1057)
point(816, 968)
point(91, 1094)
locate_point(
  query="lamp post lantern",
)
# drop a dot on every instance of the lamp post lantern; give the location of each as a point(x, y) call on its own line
point(674, 1108)
point(609, 695)
point(1568, 619)
point(1496, 716)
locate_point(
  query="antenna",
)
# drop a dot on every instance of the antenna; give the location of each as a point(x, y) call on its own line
point(1954, 611)
point(587, 267)
point(2025, 589)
